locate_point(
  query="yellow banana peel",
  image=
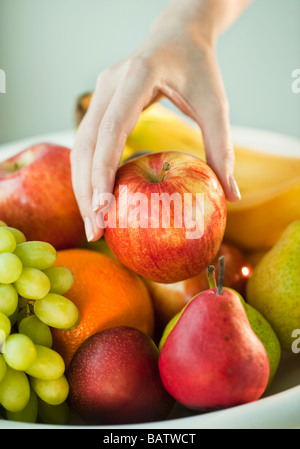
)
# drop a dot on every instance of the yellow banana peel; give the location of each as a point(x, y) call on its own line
point(127, 152)
point(160, 129)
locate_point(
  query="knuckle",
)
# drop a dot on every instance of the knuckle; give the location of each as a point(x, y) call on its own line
point(103, 78)
point(109, 124)
point(81, 148)
point(115, 127)
point(139, 65)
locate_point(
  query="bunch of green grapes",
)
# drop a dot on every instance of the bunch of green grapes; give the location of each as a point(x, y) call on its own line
point(33, 385)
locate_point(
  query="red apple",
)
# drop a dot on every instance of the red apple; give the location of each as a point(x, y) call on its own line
point(172, 239)
point(114, 379)
point(169, 299)
point(36, 196)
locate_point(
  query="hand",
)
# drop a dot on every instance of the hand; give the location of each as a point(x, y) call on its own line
point(171, 64)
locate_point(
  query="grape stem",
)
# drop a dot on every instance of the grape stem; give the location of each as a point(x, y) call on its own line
point(28, 312)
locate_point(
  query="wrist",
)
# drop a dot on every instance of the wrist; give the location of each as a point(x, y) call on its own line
point(202, 21)
point(190, 20)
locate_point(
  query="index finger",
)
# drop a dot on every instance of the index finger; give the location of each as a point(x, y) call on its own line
point(131, 97)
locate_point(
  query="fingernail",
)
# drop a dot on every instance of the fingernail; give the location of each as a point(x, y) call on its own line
point(95, 200)
point(234, 187)
point(88, 229)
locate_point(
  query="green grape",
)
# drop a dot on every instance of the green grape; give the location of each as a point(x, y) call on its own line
point(48, 365)
point(29, 414)
point(75, 325)
point(53, 414)
point(61, 279)
point(7, 241)
point(56, 311)
point(36, 254)
point(54, 392)
point(3, 367)
point(2, 223)
point(35, 329)
point(14, 390)
point(5, 325)
point(32, 284)
point(8, 299)
point(20, 352)
point(10, 268)
point(19, 236)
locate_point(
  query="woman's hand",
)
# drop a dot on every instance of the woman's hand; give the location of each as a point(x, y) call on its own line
point(177, 62)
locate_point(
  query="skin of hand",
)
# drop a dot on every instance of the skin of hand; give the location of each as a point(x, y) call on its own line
point(178, 61)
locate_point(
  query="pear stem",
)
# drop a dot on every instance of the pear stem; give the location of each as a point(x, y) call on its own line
point(221, 274)
point(211, 277)
point(166, 167)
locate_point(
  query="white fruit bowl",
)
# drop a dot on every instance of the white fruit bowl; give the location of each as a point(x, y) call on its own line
point(279, 408)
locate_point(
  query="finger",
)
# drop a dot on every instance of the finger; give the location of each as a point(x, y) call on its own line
point(134, 92)
point(205, 101)
point(82, 156)
point(214, 120)
point(219, 148)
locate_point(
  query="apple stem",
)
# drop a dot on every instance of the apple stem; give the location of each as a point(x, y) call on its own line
point(211, 277)
point(221, 274)
point(166, 167)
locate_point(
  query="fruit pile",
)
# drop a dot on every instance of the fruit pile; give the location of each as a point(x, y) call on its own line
point(32, 375)
point(121, 330)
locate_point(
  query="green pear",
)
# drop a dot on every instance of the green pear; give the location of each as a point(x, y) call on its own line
point(274, 287)
point(264, 331)
point(259, 325)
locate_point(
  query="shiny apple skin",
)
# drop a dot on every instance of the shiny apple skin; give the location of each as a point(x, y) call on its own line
point(36, 196)
point(160, 254)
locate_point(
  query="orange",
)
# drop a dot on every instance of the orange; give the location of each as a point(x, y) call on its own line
point(106, 293)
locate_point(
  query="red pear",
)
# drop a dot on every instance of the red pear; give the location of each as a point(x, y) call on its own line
point(212, 358)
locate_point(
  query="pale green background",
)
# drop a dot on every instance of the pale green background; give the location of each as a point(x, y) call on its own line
point(53, 50)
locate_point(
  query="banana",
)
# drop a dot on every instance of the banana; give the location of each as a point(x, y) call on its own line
point(160, 129)
point(269, 184)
